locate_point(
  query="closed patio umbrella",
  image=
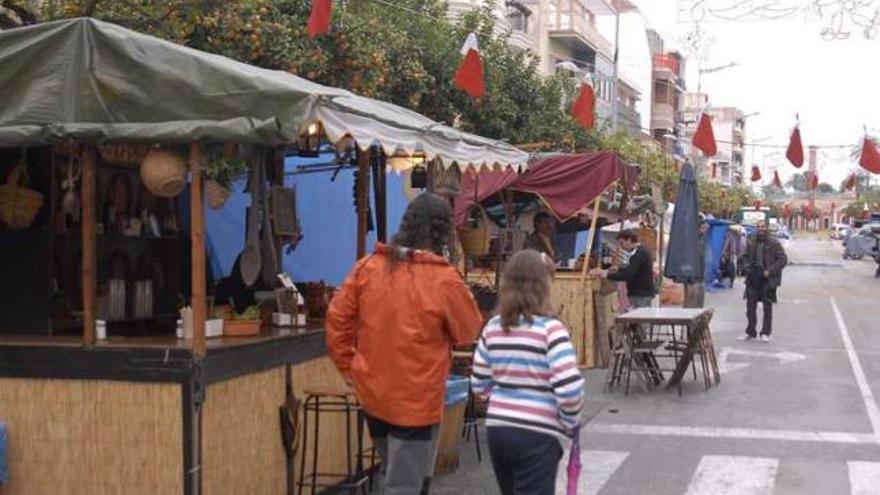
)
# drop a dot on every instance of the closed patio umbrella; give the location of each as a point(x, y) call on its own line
point(684, 262)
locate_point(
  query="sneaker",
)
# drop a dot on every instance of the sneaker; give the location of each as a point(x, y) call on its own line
point(765, 339)
point(747, 338)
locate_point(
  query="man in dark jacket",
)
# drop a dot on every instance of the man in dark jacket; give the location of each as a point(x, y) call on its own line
point(763, 260)
point(638, 273)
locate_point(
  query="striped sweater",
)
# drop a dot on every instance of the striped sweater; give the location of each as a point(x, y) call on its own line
point(530, 375)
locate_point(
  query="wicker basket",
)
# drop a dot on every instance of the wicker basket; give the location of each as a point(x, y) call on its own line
point(123, 153)
point(475, 239)
point(164, 173)
point(216, 194)
point(19, 205)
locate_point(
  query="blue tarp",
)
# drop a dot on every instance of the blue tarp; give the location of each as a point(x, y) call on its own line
point(4, 444)
point(456, 389)
point(714, 246)
point(326, 210)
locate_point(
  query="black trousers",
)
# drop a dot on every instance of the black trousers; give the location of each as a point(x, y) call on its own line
point(525, 461)
point(765, 297)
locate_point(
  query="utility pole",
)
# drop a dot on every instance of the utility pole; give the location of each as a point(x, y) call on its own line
point(614, 95)
point(813, 158)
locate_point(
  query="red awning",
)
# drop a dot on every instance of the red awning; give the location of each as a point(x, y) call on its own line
point(566, 184)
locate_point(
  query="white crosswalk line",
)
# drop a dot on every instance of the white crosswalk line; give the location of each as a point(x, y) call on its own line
point(730, 475)
point(864, 477)
point(597, 467)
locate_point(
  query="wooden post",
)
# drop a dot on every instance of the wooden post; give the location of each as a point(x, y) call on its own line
point(362, 184)
point(380, 187)
point(592, 237)
point(89, 284)
point(197, 240)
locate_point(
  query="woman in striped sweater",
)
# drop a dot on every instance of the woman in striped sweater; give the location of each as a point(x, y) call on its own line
point(527, 366)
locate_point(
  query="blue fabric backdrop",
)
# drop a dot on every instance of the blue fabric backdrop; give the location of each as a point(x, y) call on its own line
point(326, 211)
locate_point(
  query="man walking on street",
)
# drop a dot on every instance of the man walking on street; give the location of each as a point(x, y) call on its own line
point(764, 260)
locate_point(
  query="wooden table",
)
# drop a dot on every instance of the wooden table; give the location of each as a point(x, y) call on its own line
point(633, 348)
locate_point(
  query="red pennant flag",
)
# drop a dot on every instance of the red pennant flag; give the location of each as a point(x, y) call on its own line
point(584, 107)
point(756, 173)
point(795, 151)
point(469, 77)
point(776, 180)
point(320, 17)
point(808, 211)
point(870, 159)
point(786, 211)
point(704, 138)
point(759, 204)
point(814, 181)
point(850, 182)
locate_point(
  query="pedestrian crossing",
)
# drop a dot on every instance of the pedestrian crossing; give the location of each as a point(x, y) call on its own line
point(713, 475)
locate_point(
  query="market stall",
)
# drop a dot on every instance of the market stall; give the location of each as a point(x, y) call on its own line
point(106, 147)
point(572, 188)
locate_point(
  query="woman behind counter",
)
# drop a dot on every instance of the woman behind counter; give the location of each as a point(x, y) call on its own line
point(390, 332)
point(541, 238)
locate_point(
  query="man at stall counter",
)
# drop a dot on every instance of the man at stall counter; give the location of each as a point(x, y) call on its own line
point(638, 273)
point(541, 238)
point(390, 332)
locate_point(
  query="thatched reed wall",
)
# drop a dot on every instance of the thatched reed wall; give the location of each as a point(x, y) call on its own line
point(242, 452)
point(92, 437)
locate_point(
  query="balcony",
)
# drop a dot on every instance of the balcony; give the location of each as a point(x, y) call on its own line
point(570, 22)
point(521, 41)
point(663, 116)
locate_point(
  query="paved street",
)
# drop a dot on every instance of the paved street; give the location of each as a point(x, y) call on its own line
point(796, 416)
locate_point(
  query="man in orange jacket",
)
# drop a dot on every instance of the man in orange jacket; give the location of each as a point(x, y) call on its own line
point(390, 330)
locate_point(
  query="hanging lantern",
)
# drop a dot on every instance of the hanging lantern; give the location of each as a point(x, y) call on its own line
point(309, 142)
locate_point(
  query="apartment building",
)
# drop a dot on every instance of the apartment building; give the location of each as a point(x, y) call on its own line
point(668, 86)
point(729, 126)
point(563, 35)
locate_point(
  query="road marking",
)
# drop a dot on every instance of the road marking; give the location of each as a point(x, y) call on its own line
point(597, 467)
point(726, 367)
point(730, 475)
point(861, 379)
point(864, 477)
point(734, 433)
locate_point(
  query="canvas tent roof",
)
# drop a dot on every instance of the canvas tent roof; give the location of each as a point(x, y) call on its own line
point(88, 80)
point(565, 183)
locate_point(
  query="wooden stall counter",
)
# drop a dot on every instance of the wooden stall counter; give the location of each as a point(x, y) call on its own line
point(123, 415)
point(586, 306)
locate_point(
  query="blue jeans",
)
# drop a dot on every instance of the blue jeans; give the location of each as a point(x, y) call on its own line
point(525, 461)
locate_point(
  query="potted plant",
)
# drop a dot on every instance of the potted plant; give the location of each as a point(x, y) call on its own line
point(222, 168)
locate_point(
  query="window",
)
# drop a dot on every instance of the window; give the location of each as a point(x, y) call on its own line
point(518, 16)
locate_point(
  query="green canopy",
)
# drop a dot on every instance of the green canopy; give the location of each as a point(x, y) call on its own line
point(92, 81)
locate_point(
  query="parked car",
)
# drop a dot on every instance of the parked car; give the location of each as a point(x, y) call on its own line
point(862, 242)
point(839, 231)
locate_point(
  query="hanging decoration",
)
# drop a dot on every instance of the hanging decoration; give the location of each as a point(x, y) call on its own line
point(759, 204)
point(870, 158)
point(704, 138)
point(756, 173)
point(470, 77)
point(850, 183)
point(584, 107)
point(777, 182)
point(320, 17)
point(795, 151)
point(786, 211)
point(814, 181)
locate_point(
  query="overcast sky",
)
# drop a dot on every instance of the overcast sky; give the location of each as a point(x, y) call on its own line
point(785, 67)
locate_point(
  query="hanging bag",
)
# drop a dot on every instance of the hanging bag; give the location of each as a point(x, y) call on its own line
point(19, 205)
